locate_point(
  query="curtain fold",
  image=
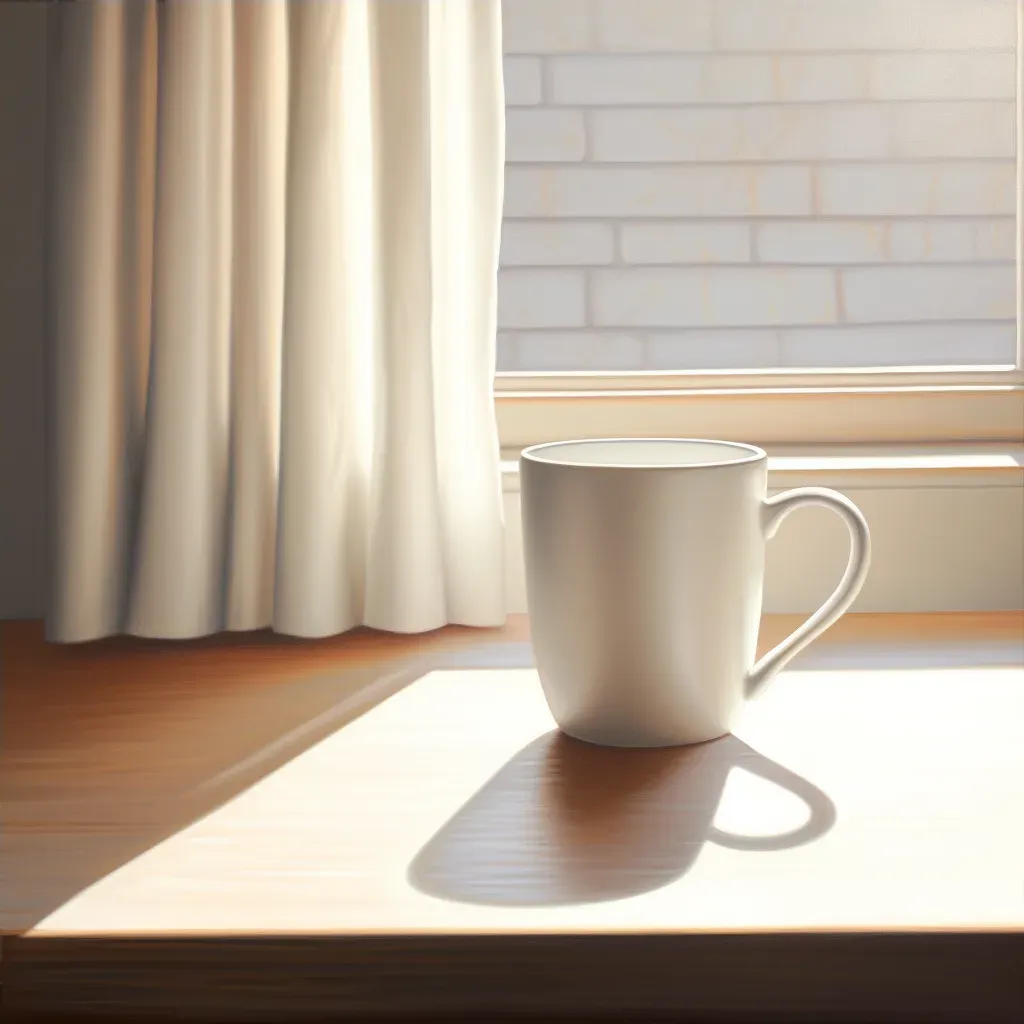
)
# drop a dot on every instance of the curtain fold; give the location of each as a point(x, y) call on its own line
point(274, 237)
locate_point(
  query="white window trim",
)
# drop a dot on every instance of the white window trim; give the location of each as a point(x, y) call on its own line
point(935, 457)
point(957, 407)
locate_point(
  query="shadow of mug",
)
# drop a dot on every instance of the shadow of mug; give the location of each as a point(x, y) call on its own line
point(569, 822)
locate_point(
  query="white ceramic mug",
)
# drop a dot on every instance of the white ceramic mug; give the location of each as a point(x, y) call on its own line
point(644, 574)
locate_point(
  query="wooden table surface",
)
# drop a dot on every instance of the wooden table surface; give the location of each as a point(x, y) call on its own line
point(252, 825)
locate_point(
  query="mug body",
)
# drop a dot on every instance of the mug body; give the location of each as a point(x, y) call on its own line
point(644, 572)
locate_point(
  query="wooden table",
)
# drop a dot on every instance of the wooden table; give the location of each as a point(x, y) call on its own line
point(251, 828)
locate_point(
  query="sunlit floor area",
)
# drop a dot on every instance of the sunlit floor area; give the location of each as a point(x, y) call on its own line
point(373, 786)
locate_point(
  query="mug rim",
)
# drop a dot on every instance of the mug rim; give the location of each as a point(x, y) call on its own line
point(756, 454)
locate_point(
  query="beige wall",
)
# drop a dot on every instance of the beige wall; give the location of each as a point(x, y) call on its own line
point(22, 195)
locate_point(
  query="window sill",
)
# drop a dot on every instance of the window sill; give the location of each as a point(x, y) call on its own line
point(897, 412)
point(945, 522)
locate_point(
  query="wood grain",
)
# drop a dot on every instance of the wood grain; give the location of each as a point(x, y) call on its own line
point(108, 748)
point(247, 826)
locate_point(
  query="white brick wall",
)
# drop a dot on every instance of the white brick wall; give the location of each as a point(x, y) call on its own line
point(861, 25)
point(680, 191)
point(749, 183)
point(544, 26)
point(822, 241)
point(654, 24)
point(679, 243)
point(713, 296)
point(544, 350)
point(527, 243)
point(541, 298)
point(522, 81)
point(536, 136)
point(895, 294)
point(955, 241)
point(938, 188)
point(665, 79)
point(810, 131)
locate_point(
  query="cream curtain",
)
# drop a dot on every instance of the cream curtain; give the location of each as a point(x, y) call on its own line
point(274, 237)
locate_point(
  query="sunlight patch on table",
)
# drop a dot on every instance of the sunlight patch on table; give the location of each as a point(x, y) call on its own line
point(924, 769)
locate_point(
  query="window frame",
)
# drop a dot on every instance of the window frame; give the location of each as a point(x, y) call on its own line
point(874, 406)
point(771, 407)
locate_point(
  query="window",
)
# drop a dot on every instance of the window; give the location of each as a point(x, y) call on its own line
point(787, 222)
point(717, 195)
point(759, 184)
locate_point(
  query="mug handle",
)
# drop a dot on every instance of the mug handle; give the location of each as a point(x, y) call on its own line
point(773, 511)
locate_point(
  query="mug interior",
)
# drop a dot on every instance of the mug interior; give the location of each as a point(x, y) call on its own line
point(643, 453)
